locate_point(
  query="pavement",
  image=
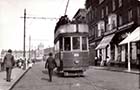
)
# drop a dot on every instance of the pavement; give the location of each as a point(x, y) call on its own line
point(116, 69)
point(17, 74)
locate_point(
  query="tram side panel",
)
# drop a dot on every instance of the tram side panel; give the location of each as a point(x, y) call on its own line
point(75, 61)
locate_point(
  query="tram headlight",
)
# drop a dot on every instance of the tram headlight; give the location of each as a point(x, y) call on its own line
point(76, 61)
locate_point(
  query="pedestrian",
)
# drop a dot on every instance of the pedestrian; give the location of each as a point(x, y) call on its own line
point(96, 61)
point(50, 64)
point(9, 63)
point(107, 61)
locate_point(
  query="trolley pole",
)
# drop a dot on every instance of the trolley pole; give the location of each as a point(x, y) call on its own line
point(66, 7)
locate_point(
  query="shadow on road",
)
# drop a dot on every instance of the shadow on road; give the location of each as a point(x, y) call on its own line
point(45, 79)
point(45, 71)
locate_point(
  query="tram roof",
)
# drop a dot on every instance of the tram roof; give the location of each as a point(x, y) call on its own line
point(64, 20)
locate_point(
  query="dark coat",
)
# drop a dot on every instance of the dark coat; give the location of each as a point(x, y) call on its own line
point(50, 63)
point(9, 60)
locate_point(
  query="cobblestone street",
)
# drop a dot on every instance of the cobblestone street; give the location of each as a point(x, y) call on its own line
point(37, 79)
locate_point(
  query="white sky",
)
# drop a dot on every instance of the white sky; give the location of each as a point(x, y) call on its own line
point(41, 31)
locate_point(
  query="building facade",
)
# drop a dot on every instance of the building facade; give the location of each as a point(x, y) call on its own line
point(80, 16)
point(109, 23)
point(19, 54)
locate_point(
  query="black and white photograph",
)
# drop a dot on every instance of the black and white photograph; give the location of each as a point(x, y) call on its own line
point(69, 44)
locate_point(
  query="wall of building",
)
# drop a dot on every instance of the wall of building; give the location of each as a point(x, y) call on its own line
point(127, 19)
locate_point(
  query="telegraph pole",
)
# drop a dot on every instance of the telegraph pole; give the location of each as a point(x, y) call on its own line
point(29, 47)
point(24, 36)
point(24, 40)
point(24, 33)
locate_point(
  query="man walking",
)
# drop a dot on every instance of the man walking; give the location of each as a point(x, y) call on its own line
point(9, 63)
point(50, 64)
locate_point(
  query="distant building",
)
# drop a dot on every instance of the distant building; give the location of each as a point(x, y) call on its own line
point(80, 16)
point(48, 50)
point(19, 54)
point(40, 50)
point(109, 23)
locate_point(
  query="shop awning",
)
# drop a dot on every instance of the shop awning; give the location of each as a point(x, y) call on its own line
point(133, 37)
point(105, 41)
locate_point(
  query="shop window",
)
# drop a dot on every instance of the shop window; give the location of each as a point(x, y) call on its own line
point(67, 44)
point(84, 43)
point(133, 51)
point(76, 43)
point(138, 50)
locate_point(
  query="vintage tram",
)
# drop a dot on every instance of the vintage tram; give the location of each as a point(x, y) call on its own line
point(71, 48)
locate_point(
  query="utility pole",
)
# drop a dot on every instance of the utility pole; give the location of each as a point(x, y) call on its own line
point(24, 39)
point(24, 36)
point(29, 47)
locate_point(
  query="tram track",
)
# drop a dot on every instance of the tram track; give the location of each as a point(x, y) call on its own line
point(87, 81)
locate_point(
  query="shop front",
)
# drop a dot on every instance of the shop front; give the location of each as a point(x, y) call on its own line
point(103, 49)
point(131, 49)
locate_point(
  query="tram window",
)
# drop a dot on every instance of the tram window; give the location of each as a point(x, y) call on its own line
point(61, 44)
point(84, 43)
point(76, 43)
point(67, 43)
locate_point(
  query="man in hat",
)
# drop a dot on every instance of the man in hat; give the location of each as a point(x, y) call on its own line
point(9, 62)
point(50, 64)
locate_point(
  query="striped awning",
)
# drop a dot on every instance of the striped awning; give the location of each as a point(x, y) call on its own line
point(132, 37)
point(105, 41)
